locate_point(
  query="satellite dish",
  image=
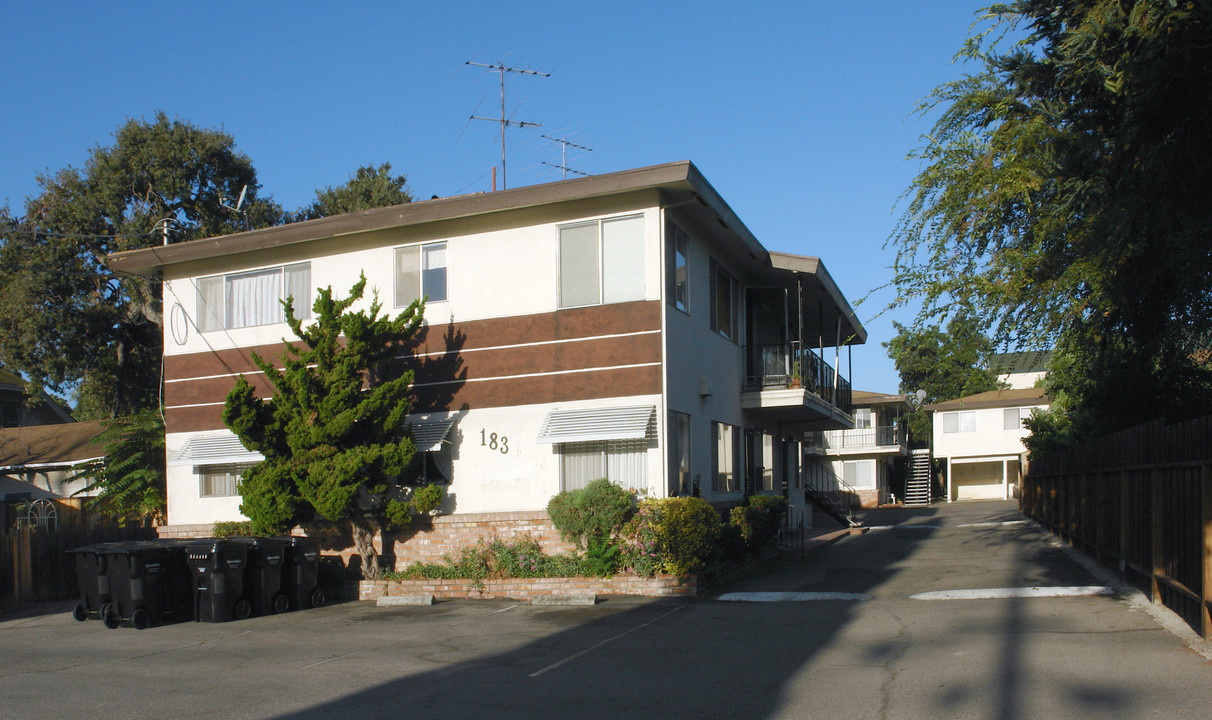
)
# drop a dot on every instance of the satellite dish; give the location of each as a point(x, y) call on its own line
point(239, 203)
point(920, 395)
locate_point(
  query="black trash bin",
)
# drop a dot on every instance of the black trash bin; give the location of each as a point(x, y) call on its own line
point(92, 577)
point(263, 574)
point(150, 582)
point(217, 568)
point(301, 576)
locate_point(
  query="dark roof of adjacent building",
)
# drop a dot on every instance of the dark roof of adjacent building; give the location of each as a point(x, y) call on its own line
point(39, 446)
point(994, 399)
point(863, 398)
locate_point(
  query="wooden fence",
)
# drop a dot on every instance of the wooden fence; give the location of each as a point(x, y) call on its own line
point(35, 564)
point(1139, 500)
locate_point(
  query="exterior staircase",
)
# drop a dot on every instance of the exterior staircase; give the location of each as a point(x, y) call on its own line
point(917, 487)
point(831, 494)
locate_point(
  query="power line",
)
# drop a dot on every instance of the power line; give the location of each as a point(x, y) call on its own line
point(504, 121)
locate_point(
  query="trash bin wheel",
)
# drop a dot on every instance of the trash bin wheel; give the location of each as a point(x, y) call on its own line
point(80, 613)
point(139, 619)
point(281, 603)
point(109, 616)
point(317, 598)
point(242, 610)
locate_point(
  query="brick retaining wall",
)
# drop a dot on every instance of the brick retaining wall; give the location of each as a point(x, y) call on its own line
point(528, 588)
point(429, 539)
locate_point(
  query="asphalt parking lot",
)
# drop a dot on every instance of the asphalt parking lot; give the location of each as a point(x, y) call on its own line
point(857, 629)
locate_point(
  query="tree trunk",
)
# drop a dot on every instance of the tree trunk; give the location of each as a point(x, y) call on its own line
point(364, 538)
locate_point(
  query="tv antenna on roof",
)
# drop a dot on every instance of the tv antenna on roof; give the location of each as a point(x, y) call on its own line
point(564, 145)
point(239, 204)
point(503, 120)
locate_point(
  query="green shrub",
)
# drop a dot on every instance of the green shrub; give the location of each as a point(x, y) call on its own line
point(232, 529)
point(674, 535)
point(759, 521)
point(519, 558)
point(598, 510)
point(427, 498)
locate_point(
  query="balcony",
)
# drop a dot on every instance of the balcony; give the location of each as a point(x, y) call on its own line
point(787, 377)
point(883, 439)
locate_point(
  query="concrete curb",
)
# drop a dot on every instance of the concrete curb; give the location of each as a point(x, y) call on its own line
point(566, 599)
point(398, 600)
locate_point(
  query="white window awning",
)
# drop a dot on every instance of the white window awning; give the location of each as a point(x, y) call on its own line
point(214, 450)
point(429, 431)
point(612, 423)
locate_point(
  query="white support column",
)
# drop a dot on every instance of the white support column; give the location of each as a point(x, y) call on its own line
point(948, 479)
point(1005, 480)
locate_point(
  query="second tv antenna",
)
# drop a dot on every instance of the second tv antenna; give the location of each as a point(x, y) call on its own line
point(504, 121)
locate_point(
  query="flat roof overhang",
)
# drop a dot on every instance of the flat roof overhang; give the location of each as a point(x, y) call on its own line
point(796, 410)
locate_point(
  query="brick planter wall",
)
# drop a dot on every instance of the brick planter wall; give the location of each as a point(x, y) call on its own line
point(447, 533)
point(427, 540)
point(527, 588)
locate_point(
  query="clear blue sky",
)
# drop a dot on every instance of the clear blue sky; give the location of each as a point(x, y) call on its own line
point(799, 113)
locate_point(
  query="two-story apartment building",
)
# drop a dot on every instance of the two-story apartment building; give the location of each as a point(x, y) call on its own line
point(626, 326)
point(980, 438)
point(862, 460)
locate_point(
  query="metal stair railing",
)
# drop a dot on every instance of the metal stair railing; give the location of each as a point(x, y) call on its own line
point(832, 494)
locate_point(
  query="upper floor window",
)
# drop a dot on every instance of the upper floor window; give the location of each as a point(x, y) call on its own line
point(420, 273)
point(1012, 418)
point(676, 248)
point(602, 262)
point(959, 422)
point(863, 418)
point(253, 298)
point(725, 303)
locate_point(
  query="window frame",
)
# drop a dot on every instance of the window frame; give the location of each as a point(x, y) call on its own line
point(422, 291)
point(677, 257)
point(210, 319)
point(717, 274)
point(638, 293)
point(678, 431)
point(607, 448)
point(959, 416)
point(208, 474)
point(725, 481)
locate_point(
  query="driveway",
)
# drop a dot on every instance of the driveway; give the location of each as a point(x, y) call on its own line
point(847, 637)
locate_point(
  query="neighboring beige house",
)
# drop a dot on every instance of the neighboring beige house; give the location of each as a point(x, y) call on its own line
point(36, 464)
point(626, 326)
point(863, 458)
point(980, 437)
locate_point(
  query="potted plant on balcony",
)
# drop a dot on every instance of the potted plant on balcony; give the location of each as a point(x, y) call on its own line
point(795, 375)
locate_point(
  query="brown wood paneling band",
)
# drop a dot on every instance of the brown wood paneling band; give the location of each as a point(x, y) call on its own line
point(452, 355)
point(588, 385)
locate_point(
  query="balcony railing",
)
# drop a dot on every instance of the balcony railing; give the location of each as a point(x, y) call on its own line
point(858, 439)
point(781, 366)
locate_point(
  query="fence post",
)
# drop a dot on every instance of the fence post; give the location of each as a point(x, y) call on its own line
point(1155, 528)
point(1125, 518)
point(1205, 610)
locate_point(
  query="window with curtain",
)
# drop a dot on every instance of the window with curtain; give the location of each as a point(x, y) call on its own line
point(219, 480)
point(959, 422)
point(766, 457)
point(859, 474)
point(420, 273)
point(622, 462)
point(249, 299)
point(724, 479)
point(601, 262)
